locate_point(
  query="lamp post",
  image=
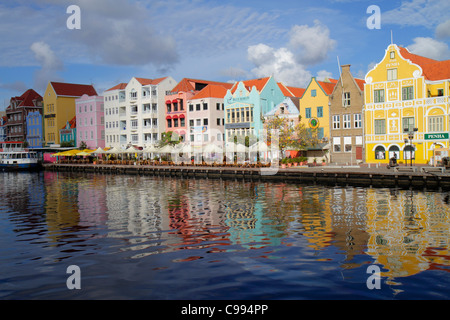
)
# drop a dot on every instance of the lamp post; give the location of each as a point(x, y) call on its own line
point(410, 137)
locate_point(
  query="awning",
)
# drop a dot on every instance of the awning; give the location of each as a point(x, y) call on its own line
point(168, 117)
point(175, 116)
point(174, 101)
point(181, 116)
point(168, 102)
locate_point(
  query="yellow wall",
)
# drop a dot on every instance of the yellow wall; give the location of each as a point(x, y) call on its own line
point(320, 100)
point(64, 110)
point(421, 107)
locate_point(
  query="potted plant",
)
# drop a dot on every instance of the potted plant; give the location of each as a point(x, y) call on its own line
point(323, 162)
point(283, 163)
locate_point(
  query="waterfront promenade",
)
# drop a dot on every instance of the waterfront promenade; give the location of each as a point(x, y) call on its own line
point(376, 176)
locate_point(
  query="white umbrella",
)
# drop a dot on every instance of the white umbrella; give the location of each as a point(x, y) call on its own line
point(114, 150)
point(150, 149)
point(166, 149)
point(212, 148)
point(99, 151)
point(241, 148)
point(260, 146)
point(133, 150)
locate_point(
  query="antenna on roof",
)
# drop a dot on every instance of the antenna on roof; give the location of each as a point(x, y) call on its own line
point(340, 74)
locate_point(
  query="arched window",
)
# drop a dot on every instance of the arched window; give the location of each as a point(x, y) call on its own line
point(394, 151)
point(380, 153)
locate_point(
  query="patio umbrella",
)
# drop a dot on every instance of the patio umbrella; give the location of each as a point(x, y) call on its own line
point(260, 146)
point(166, 149)
point(99, 151)
point(113, 150)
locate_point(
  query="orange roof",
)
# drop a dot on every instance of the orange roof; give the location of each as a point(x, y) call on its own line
point(211, 91)
point(360, 83)
point(328, 87)
point(145, 81)
point(189, 84)
point(249, 84)
point(289, 91)
point(120, 86)
point(432, 69)
point(73, 89)
point(72, 123)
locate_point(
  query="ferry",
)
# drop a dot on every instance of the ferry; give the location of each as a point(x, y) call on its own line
point(14, 157)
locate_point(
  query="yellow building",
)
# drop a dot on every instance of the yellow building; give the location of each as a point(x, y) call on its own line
point(406, 111)
point(59, 107)
point(314, 106)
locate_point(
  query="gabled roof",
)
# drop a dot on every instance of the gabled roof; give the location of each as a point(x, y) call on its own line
point(289, 91)
point(72, 123)
point(120, 86)
point(145, 81)
point(432, 69)
point(259, 83)
point(28, 98)
point(73, 89)
point(328, 87)
point(211, 91)
point(360, 83)
point(291, 106)
point(188, 84)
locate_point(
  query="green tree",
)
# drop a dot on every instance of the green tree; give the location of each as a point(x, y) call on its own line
point(286, 133)
point(170, 137)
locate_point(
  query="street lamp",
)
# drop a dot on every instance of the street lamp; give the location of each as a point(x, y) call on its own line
point(410, 137)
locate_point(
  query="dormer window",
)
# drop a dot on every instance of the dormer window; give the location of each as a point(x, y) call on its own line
point(392, 54)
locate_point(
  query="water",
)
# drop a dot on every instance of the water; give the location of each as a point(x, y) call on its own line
point(142, 237)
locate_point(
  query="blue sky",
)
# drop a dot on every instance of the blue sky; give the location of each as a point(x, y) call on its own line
point(221, 40)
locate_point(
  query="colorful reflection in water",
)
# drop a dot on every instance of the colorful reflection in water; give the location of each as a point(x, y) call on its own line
point(139, 237)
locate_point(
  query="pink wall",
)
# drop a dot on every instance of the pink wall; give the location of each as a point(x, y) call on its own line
point(90, 121)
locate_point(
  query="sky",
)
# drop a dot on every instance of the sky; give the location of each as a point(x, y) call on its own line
point(219, 40)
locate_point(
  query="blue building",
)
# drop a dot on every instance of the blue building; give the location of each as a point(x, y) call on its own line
point(246, 103)
point(34, 129)
point(3, 128)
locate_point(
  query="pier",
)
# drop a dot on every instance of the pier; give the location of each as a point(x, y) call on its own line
point(400, 177)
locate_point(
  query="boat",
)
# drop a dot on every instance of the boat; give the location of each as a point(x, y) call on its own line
point(14, 157)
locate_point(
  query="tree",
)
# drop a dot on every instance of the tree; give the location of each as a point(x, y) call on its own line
point(83, 145)
point(306, 137)
point(286, 133)
point(170, 137)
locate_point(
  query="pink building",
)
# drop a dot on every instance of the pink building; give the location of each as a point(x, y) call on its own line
point(90, 121)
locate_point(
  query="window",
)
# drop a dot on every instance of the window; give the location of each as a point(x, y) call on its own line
point(182, 122)
point(313, 93)
point(218, 121)
point(391, 74)
point(205, 121)
point(346, 99)
point(169, 107)
point(408, 123)
point(394, 151)
point(175, 123)
point(308, 112)
point(191, 107)
point(435, 124)
point(205, 106)
point(217, 106)
point(336, 122)
point(191, 123)
point(197, 107)
point(392, 54)
point(440, 92)
point(380, 126)
point(319, 112)
point(357, 117)
point(347, 121)
point(337, 144)
point(169, 123)
point(347, 144)
point(409, 153)
point(378, 95)
point(380, 153)
point(407, 93)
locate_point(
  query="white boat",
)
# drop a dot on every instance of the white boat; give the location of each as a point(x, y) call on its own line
point(14, 157)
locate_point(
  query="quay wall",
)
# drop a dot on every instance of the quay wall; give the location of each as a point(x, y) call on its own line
point(339, 176)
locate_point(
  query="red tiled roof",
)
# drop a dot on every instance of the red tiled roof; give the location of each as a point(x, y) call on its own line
point(360, 83)
point(188, 84)
point(145, 81)
point(72, 123)
point(432, 69)
point(328, 87)
point(211, 91)
point(249, 84)
point(120, 86)
point(289, 91)
point(73, 89)
point(27, 98)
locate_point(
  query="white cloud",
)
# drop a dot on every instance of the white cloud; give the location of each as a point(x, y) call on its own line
point(50, 65)
point(427, 13)
point(443, 30)
point(311, 44)
point(430, 48)
point(279, 63)
point(323, 75)
point(307, 46)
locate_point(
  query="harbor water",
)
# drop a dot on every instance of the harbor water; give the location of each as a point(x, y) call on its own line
point(163, 238)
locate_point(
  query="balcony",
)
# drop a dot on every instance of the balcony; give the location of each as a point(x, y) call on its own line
point(436, 100)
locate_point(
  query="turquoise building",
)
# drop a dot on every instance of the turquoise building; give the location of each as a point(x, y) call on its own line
point(68, 134)
point(246, 103)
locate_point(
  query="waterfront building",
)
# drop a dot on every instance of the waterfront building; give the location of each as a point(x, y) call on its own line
point(247, 102)
point(34, 129)
point(17, 112)
point(406, 107)
point(59, 107)
point(3, 128)
point(176, 109)
point(135, 112)
point(205, 115)
point(68, 133)
point(90, 117)
point(346, 122)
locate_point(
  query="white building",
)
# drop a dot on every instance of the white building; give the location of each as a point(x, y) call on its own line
point(135, 112)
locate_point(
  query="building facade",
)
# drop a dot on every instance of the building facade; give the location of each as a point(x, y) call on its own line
point(134, 112)
point(247, 102)
point(59, 107)
point(68, 133)
point(17, 112)
point(90, 117)
point(406, 108)
point(346, 122)
point(34, 129)
point(3, 128)
point(205, 115)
